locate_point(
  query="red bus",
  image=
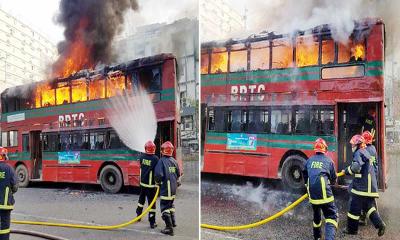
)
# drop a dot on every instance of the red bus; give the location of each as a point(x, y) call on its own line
point(267, 98)
point(58, 131)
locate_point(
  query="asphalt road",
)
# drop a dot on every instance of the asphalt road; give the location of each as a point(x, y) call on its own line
point(88, 204)
point(235, 201)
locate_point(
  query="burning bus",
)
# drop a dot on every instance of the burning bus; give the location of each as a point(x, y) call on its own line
point(58, 131)
point(266, 98)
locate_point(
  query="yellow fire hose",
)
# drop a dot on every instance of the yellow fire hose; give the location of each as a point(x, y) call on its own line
point(264, 221)
point(93, 227)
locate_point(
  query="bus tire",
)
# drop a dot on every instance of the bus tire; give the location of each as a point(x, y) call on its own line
point(23, 176)
point(111, 179)
point(292, 172)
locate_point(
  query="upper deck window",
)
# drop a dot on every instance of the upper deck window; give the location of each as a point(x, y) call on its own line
point(307, 51)
point(150, 78)
point(97, 88)
point(259, 55)
point(205, 61)
point(219, 60)
point(282, 53)
point(79, 90)
point(45, 95)
point(62, 93)
point(351, 51)
point(328, 50)
point(238, 58)
point(115, 85)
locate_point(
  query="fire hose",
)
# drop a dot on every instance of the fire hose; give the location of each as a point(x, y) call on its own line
point(262, 222)
point(92, 227)
point(37, 234)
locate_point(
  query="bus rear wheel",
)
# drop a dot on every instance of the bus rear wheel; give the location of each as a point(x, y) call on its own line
point(111, 179)
point(22, 175)
point(292, 172)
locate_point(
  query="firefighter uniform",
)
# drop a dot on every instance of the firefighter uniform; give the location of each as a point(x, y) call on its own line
point(364, 190)
point(8, 186)
point(147, 185)
point(318, 174)
point(167, 174)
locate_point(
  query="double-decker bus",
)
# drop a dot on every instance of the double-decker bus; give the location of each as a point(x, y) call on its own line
point(267, 98)
point(58, 131)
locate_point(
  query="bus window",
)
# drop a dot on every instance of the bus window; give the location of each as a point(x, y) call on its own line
point(50, 142)
point(327, 119)
point(244, 121)
point(307, 48)
point(280, 121)
point(150, 79)
point(302, 121)
point(220, 122)
point(97, 88)
point(65, 142)
point(25, 142)
point(80, 141)
point(219, 60)
point(264, 116)
point(45, 96)
point(315, 124)
point(204, 62)
point(235, 121)
point(62, 93)
point(238, 58)
point(4, 139)
point(211, 119)
point(282, 53)
point(96, 140)
point(351, 52)
point(256, 123)
point(113, 141)
point(79, 90)
point(259, 55)
point(115, 85)
point(13, 138)
point(328, 51)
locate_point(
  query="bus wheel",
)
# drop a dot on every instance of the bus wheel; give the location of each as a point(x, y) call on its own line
point(292, 172)
point(111, 179)
point(22, 175)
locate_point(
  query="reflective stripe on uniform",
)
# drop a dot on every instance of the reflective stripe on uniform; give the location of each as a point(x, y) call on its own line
point(365, 194)
point(332, 221)
point(165, 211)
point(5, 206)
point(147, 185)
point(369, 182)
point(140, 205)
point(322, 201)
point(358, 175)
point(323, 186)
point(167, 197)
point(172, 210)
point(349, 170)
point(370, 211)
point(5, 231)
point(150, 177)
point(6, 196)
point(153, 210)
point(169, 188)
point(353, 216)
point(317, 225)
point(325, 198)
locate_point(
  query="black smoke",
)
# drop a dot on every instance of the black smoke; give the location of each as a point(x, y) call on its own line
point(103, 19)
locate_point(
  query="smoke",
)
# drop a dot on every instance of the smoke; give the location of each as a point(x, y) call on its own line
point(92, 25)
point(133, 118)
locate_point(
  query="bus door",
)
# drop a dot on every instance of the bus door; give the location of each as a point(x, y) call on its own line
point(165, 132)
point(36, 154)
point(351, 118)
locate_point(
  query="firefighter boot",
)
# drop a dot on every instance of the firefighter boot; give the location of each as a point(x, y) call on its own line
point(168, 224)
point(173, 219)
point(152, 220)
point(138, 212)
point(352, 226)
point(363, 220)
point(317, 233)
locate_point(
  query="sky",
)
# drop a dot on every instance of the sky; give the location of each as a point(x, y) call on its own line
point(39, 14)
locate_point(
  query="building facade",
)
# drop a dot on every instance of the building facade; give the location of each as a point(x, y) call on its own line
point(181, 39)
point(24, 53)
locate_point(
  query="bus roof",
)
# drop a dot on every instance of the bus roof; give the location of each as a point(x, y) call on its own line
point(363, 24)
point(85, 73)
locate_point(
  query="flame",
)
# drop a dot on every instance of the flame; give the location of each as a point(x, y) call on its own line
point(97, 89)
point(115, 85)
point(79, 90)
point(219, 62)
point(45, 95)
point(76, 56)
point(306, 52)
point(358, 51)
point(62, 93)
point(204, 63)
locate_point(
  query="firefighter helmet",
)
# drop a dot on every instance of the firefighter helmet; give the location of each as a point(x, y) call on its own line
point(357, 140)
point(167, 149)
point(320, 146)
point(368, 137)
point(3, 154)
point(150, 147)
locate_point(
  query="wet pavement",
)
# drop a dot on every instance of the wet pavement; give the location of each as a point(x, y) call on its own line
point(88, 204)
point(228, 200)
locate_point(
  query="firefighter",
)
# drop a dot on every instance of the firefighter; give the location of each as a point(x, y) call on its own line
point(364, 188)
point(369, 123)
point(148, 162)
point(319, 172)
point(8, 186)
point(167, 175)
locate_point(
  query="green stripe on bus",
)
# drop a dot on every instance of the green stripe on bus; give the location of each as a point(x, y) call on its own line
point(306, 138)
